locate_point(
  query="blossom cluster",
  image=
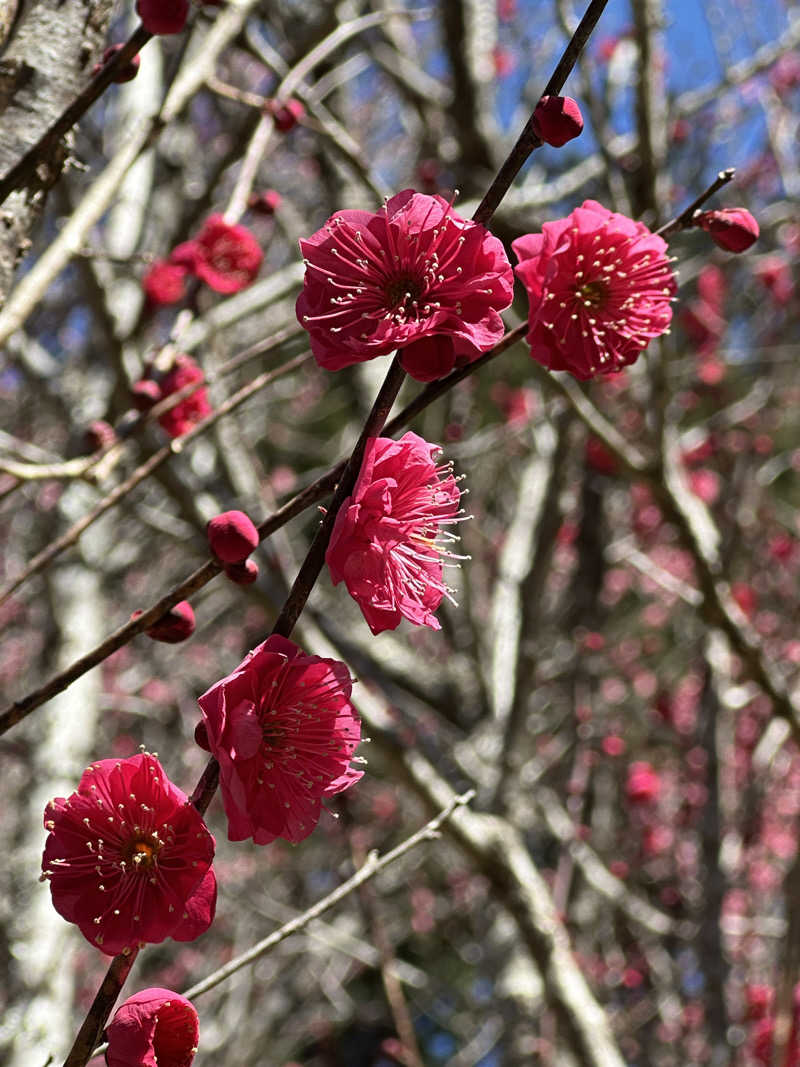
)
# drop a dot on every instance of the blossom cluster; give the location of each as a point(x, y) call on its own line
point(225, 256)
point(128, 857)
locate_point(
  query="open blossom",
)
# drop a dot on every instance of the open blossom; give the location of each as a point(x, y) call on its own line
point(128, 858)
point(415, 276)
point(392, 535)
point(194, 407)
point(284, 733)
point(153, 1028)
point(600, 288)
point(226, 257)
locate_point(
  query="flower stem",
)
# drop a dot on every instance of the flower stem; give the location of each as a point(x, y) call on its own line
point(527, 140)
point(98, 1014)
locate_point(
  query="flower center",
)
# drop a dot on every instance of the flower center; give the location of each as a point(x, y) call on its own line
point(593, 294)
point(402, 291)
point(141, 853)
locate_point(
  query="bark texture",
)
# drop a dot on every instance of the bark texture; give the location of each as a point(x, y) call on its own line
point(47, 61)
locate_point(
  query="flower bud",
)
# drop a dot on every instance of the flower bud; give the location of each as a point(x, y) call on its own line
point(126, 73)
point(242, 573)
point(265, 203)
point(100, 434)
point(174, 625)
point(732, 228)
point(557, 119)
point(145, 393)
point(286, 114)
point(163, 16)
point(232, 536)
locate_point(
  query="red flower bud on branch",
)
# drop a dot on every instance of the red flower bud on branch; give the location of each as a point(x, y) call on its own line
point(733, 228)
point(557, 119)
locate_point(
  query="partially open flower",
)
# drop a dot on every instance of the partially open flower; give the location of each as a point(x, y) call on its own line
point(732, 228)
point(128, 857)
point(284, 733)
point(232, 536)
point(415, 276)
point(557, 119)
point(153, 1028)
point(163, 16)
point(175, 625)
point(226, 257)
point(600, 288)
point(392, 536)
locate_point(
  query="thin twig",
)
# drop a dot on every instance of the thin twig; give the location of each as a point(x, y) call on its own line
point(373, 865)
point(177, 445)
point(93, 1024)
point(38, 153)
point(314, 492)
point(527, 140)
point(685, 219)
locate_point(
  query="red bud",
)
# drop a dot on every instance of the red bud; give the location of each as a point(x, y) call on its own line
point(732, 228)
point(286, 115)
point(175, 625)
point(557, 119)
point(232, 536)
point(145, 393)
point(266, 203)
point(242, 573)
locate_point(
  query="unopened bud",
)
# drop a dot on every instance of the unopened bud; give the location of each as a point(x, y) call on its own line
point(286, 114)
point(145, 393)
point(242, 573)
point(174, 625)
point(732, 228)
point(127, 72)
point(232, 536)
point(266, 203)
point(557, 119)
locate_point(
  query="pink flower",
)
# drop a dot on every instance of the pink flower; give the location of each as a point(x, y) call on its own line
point(224, 256)
point(164, 283)
point(732, 228)
point(557, 119)
point(163, 16)
point(193, 408)
point(128, 857)
point(600, 288)
point(153, 1028)
point(415, 276)
point(391, 535)
point(284, 733)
